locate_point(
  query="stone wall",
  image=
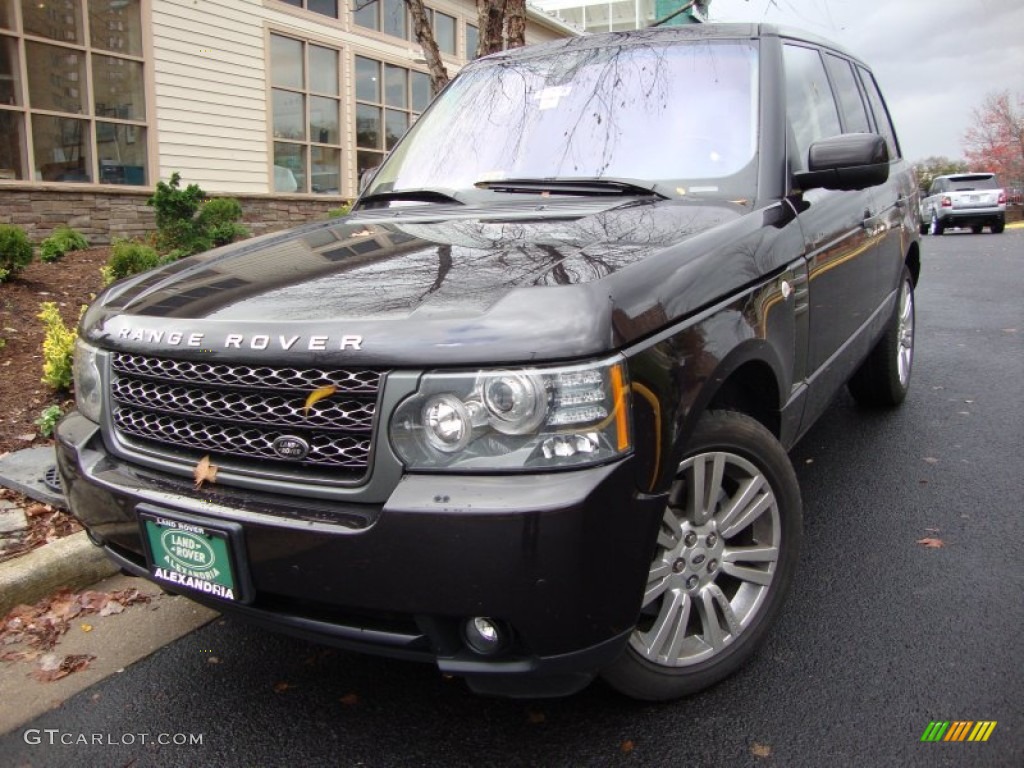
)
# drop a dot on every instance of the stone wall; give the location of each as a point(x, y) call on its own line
point(102, 215)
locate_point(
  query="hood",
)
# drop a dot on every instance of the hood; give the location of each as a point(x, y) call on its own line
point(512, 283)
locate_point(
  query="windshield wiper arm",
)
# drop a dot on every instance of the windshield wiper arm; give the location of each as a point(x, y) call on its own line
point(591, 187)
point(408, 195)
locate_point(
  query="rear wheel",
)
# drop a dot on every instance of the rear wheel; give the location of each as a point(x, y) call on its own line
point(997, 229)
point(936, 227)
point(725, 555)
point(884, 377)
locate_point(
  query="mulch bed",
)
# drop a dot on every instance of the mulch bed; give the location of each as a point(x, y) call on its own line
point(69, 283)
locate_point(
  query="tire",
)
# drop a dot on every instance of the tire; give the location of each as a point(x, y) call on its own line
point(922, 227)
point(997, 229)
point(936, 227)
point(976, 229)
point(883, 379)
point(707, 607)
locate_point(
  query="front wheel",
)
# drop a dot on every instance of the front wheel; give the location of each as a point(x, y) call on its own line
point(725, 554)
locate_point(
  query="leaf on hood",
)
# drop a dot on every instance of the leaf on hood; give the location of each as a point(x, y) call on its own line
point(931, 543)
point(316, 396)
point(204, 472)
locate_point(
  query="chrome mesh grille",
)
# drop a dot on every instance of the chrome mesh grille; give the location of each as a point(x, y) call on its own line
point(240, 410)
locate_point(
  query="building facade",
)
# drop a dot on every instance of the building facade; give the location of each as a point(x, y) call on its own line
point(280, 103)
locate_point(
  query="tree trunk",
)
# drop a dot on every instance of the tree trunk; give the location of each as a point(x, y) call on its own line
point(491, 17)
point(425, 37)
point(515, 23)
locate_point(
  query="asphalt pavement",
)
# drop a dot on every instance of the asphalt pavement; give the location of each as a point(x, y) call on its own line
point(881, 634)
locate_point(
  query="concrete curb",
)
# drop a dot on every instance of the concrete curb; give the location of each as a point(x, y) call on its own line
point(72, 561)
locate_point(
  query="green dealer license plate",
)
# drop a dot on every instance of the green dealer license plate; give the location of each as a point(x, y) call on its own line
point(187, 553)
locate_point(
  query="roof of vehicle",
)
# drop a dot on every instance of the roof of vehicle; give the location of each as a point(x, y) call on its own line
point(731, 31)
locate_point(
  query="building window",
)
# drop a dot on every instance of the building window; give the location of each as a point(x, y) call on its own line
point(388, 16)
point(391, 17)
point(472, 41)
point(306, 107)
point(82, 109)
point(323, 7)
point(388, 99)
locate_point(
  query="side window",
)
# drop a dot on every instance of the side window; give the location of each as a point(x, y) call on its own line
point(855, 116)
point(810, 107)
point(882, 121)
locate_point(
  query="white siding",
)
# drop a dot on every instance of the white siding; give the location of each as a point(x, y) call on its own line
point(211, 99)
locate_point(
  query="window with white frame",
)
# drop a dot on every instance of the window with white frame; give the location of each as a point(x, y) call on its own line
point(79, 114)
point(388, 99)
point(391, 17)
point(306, 116)
point(323, 7)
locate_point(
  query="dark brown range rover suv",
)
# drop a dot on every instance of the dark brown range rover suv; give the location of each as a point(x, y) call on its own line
point(524, 414)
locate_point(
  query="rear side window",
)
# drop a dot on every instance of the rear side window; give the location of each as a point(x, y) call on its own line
point(855, 116)
point(810, 107)
point(882, 122)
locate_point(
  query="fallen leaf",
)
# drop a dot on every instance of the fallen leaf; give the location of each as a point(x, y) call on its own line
point(627, 746)
point(87, 627)
point(282, 686)
point(931, 543)
point(204, 472)
point(535, 717)
point(53, 667)
point(930, 460)
point(809, 461)
point(760, 750)
point(349, 699)
point(112, 608)
point(933, 530)
point(35, 510)
point(316, 395)
point(213, 660)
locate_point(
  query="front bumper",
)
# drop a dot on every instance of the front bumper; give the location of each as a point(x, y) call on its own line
point(559, 559)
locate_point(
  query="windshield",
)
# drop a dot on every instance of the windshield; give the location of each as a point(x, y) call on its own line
point(684, 114)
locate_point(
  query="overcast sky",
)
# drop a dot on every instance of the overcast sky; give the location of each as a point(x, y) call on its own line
point(934, 59)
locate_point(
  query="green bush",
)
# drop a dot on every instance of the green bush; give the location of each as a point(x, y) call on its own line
point(128, 258)
point(48, 419)
point(58, 347)
point(342, 210)
point(63, 240)
point(15, 250)
point(218, 220)
point(186, 224)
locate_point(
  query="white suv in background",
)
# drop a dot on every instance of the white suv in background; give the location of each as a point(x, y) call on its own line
point(972, 200)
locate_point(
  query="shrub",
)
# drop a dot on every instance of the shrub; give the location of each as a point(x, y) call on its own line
point(128, 258)
point(58, 347)
point(15, 250)
point(48, 419)
point(342, 210)
point(63, 240)
point(218, 220)
point(186, 224)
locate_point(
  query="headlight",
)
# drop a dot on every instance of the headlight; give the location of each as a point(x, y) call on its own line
point(515, 419)
point(88, 391)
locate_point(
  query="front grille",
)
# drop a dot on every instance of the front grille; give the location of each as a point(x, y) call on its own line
point(239, 411)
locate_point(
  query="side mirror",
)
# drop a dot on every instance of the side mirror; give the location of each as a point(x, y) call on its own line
point(847, 162)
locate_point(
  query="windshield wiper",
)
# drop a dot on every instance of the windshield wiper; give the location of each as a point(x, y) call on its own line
point(588, 187)
point(407, 195)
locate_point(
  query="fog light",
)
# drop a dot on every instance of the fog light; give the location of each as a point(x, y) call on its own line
point(484, 636)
